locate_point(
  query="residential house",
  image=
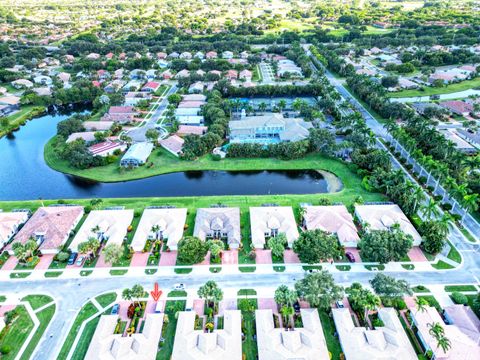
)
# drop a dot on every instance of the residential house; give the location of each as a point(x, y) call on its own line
point(186, 55)
point(219, 344)
point(64, 77)
point(269, 221)
point(43, 80)
point(231, 74)
point(10, 222)
point(384, 342)
point(93, 56)
point(173, 144)
point(120, 114)
point(460, 143)
point(199, 55)
point(107, 345)
point(404, 83)
point(462, 346)
point(268, 128)
point(87, 136)
point(133, 85)
point(333, 219)
point(245, 74)
point(43, 91)
point(22, 83)
point(182, 74)
point(137, 154)
point(97, 125)
point(281, 343)
point(151, 86)
point(151, 74)
point(211, 55)
point(196, 88)
point(194, 97)
point(114, 86)
point(9, 104)
point(166, 75)
point(105, 226)
point(464, 318)
point(384, 217)
point(420, 107)
point(227, 55)
point(173, 55)
point(184, 130)
point(107, 148)
point(160, 224)
point(132, 98)
point(161, 55)
point(458, 107)
point(472, 137)
point(50, 227)
point(219, 223)
point(287, 66)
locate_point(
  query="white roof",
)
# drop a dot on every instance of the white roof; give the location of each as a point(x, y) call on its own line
point(384, 216)
point(9, 223)
point(265, 219)
point(170, 221)
point(221, 344)
point(139, 151)
point(307, 343)
point(333, 219)
point(385, 342)
point(112, 223)
point(226, 220)
point(105, 345)
point(462, 346)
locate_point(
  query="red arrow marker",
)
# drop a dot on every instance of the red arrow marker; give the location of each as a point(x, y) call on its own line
point(156, 293)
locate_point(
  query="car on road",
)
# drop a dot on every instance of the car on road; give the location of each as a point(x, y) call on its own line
point(350, 257)
point(72, 258)
point(179, 286)
point(80, 260)
point(115, 309)
point(339, 304)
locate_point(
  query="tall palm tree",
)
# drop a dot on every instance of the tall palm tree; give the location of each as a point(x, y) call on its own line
point(435, 329)
point(262, 106)
point(470, 203)
point(281, 105)
point(421, 304)
point(287, 312)
point(444, 343)
point(430, 210)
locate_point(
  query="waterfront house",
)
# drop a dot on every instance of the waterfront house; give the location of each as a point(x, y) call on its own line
point(160, 224)
point(218, 344)
point(107, 148)
point(306, 342)
point(104, 225)
point(269, 221)
point(219, 223)
point(142, 345)
point(333, 219)
point(384, 342)
point(384, 217)
point(137, 154)
point(173, 144)
point(10, 222)
point(50, 227)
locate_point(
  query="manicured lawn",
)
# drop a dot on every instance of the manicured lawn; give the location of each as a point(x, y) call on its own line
point(183, 270)
point(87, 311)
point(312, 267)
point(257, 74)
point(375, 267)
point(168, 331)
point(85, 339)
point(106, 299)
point(461, 86)
point(249, 346)
point(247, 269)
point(471, 299)
point(53, 274)
point(85, 272)
point(3, 298)
point(453, 288)
point(328, 326)
point(37, 301)
point(420, 289)
point(16, 333)
point(44, 316)
point(442, 265)
point(432, 301)
point(343, 267)
point(20, 117)
point(245, 292)
point(177, 293)
point(408, 266)
point(19, 275)
point(453, 254)
point(118, 272)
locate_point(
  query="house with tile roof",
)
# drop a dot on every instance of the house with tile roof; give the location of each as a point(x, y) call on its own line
point(50, 227)
point(104, 225)
point(280, 343)
point(219, 344)
point(333, 219)
point(219, 223)
point(10, 222)
point(384, 342)
point(269, 221)
point(173, 144)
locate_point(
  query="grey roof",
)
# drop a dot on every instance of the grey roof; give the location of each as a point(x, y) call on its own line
point(224, 219)
point(138, 152)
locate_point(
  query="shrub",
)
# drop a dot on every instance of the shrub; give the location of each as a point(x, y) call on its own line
point(137, 213)
point(447, 206)
point(216, 157)
point(87, 209)
point(400, 304)
point(5, 349)
point(422, 179)
point(60, 201)
point(459, 298)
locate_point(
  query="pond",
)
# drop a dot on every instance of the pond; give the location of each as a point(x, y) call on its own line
point(24, 175)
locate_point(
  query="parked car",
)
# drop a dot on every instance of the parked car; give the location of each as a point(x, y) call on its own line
point(339, 304)
point(80, 261)
point(115, 309)
point(72, 258)
point(350, 257)
point(179, 286)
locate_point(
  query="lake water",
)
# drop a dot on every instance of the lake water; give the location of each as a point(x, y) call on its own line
point(24, 175)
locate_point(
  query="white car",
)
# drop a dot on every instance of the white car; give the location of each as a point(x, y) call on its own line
point(179, 287)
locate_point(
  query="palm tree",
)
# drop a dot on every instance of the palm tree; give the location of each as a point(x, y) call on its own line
point(155, 229)
point(444, 343)
point(435, 329)
point(287, 312)
point(127, 295)
point(430, 210)
point(421, 304)
point(281, 105)
point(470, 203)
point(444, 223)
point(262, 106)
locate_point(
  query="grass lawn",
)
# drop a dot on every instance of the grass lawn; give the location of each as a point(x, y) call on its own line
point(461, 86)
point(85, 339)
point(177, 293)
point(249, 345)
point(19, 275)
point(343, 267)
point(3, 298)
point(471, 299)
point(247, 269)
point(44, 317)
point(328, 326)
point(420, 289)
point(87, 311)
point(118, 272)
point(453, 288)
point(453, 254)
point(106, 299)
point(53, 274)
point(37, 301)
point(16, 333)
point(257, 74)
point(3, 258)
point(183, 270)
point(85, 272)
point(431, 301)
point(245, 292)
point(442, 265)
point(408, 266)
point(379, 267)
point(168, 331)
point(20, 117)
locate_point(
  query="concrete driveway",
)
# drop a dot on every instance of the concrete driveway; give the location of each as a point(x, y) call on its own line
point(263, 256)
